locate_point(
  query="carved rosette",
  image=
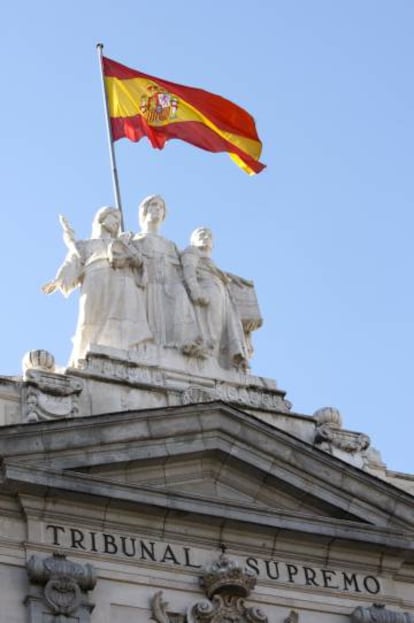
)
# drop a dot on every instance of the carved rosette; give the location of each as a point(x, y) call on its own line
point(378, 613)
point(63, 583)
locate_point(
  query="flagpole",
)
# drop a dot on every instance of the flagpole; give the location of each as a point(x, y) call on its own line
point(115, 181)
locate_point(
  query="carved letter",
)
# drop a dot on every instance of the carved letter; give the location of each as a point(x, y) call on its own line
point(276, 566)
point(310, 576)
point(55, 533)
point(349, 580)
point(109, 544)
point(327, 578)
point(77, 538)
point(124, 549)
point(292, 571)
point(145, 551)
point(369, 579)
point(169, 556)
point(93, 542)
point(187, 552)
point(252, 563)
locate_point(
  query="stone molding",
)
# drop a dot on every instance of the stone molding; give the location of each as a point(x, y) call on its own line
point(60, 586)
point(182, 387)
point(378, 613)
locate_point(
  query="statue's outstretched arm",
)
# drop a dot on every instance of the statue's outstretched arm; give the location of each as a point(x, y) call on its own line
point(68, 235)
point(69, 274)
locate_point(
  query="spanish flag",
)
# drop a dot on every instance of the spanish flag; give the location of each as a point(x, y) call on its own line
point(141, 105)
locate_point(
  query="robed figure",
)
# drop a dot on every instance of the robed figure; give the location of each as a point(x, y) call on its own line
point(109, 271)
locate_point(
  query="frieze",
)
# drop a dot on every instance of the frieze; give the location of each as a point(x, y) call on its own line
point(197, 394)
point(122, 371)
point(227, 392)
point(190, 558)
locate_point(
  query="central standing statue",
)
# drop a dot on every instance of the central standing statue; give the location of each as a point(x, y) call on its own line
point(170, 314)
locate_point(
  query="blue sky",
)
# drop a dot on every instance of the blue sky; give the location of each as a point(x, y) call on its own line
point(325, 231)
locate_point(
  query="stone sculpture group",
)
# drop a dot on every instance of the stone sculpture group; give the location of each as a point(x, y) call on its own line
point(140, 289)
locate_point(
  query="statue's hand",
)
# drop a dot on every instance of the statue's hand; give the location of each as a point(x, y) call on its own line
point(118, 262)
point(199, 299)
point(126, 236)
point(50, 287)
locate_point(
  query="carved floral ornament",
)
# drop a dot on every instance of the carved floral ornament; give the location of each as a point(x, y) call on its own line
point(226, 585)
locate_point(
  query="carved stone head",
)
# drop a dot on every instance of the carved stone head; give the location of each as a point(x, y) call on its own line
point(107, 219)
point(151, 211)
point(202, 238)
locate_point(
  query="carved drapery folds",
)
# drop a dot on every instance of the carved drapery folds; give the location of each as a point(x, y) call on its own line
point(226, 585)
point(378, 613)
point(58, 588)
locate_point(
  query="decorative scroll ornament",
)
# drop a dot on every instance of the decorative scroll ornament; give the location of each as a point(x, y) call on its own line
point(378, 613)
point(293, 617)
point(330, 435)
point(47, 395)
point(347, 441)
point(226, 585)
point(64, 582)
point(225, 609)
point(159, 611)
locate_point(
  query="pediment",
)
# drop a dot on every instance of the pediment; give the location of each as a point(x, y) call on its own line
point(214, 476)
point(209, 459)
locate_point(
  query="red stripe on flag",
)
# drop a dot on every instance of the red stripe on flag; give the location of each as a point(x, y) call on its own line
point(194, 132)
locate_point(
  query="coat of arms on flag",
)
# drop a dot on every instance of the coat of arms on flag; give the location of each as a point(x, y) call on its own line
point(158, 106)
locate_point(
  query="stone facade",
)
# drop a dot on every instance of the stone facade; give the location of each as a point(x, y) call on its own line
point(156, 478)
point(145, 502)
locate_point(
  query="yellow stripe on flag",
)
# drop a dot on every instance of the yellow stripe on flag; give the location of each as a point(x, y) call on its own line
point(124, 98)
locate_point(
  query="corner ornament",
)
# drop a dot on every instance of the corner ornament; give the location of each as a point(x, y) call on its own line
point(226, 585)
point(378, 613)
point(63, 586)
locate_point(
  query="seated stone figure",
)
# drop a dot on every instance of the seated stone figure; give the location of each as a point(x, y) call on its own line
point(108, 270)
point(218, 315)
